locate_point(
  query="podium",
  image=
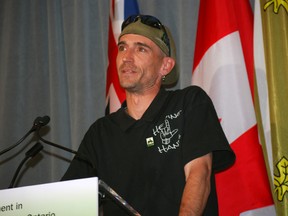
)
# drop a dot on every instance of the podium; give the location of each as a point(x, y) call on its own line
point(69, 198)
point(66, 198)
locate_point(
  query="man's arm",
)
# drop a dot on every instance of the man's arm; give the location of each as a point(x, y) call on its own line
point(197, 188)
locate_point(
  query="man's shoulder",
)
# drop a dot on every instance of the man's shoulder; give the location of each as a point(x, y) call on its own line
point(190, 93)
point(101, 121)
point(193, 89)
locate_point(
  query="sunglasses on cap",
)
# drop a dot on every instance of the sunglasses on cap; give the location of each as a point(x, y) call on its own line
point(149, 21)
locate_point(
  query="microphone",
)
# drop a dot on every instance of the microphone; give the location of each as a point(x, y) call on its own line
point(104, 189)
point(29, 154)
point(37, 124)
point(40, 122)
point(77, 155)
point(54, 144)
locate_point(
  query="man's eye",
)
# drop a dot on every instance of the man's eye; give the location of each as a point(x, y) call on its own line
point(142, 49)
point(121, 48)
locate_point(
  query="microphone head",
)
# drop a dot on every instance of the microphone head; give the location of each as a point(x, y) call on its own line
point(40, 122)
point(44, 120)
point(36, 121)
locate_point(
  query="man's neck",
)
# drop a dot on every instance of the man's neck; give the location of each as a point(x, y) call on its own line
point(137, 103)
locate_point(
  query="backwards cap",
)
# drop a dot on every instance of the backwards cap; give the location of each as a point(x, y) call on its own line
point(156, 36)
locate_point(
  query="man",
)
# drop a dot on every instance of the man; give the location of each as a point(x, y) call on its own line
point(161, 149)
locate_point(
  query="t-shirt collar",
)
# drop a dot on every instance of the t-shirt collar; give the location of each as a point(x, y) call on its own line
point(125, 121)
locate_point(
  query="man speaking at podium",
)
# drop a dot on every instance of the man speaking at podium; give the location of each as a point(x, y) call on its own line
point(161, 149)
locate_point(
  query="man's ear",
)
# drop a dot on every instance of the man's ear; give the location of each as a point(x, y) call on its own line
point(167, 66)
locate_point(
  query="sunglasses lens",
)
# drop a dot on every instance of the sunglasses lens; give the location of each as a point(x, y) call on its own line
point(129, 20)
point(151, 21)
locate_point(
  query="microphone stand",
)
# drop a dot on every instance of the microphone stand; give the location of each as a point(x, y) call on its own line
point(17, 143)
point(37, 124)
point(117, 198)
point(29, 154)
point(54, 144)
point(77, 155)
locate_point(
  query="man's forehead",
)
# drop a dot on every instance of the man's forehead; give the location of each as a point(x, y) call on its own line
point(135, 38)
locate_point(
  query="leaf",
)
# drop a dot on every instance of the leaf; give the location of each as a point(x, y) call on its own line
point(276, 5)
point(281, 181)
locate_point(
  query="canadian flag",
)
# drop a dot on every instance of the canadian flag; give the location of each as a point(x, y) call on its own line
point(223, 67)
point(119, 11)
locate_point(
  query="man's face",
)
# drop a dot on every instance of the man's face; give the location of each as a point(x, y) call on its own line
point(138, 63)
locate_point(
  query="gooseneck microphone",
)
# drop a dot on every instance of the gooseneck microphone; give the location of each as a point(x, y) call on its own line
point(37, 124)
point(104, 189)
point(53, 144)
point(29, 154)
point(77, 155)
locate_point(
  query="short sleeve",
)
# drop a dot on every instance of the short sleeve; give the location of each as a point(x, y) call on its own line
point(203, 132)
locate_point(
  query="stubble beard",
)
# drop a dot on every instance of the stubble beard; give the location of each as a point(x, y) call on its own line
point(130, 85)
point(129, 82)
point(135, 83)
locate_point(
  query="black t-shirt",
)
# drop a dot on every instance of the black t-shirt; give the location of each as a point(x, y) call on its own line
point(143, 160)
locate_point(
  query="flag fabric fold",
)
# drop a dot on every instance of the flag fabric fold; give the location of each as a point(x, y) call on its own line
point(271, 92)
point(223, 67)
point(119, 11)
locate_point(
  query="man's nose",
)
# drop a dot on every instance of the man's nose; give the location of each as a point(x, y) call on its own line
point(128, 55)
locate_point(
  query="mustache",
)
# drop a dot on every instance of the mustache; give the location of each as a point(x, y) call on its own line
point(127, 66)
